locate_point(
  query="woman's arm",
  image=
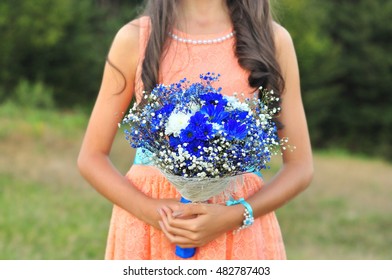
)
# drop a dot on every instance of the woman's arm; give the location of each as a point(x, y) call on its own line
point(294, 176)
point(297, 170)
point(113, 99)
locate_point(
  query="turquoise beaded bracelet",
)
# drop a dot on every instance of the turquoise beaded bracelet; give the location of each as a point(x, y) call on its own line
point(248, 214)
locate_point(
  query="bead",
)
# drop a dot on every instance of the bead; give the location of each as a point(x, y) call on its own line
point(202, 42)
point(248, 213)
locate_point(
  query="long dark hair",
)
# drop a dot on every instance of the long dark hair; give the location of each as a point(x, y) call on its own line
point(255, 48)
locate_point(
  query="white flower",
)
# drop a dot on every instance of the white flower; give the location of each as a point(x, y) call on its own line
point(177, 122)
point(194, 107)
point(231, 99)
point(236, 104)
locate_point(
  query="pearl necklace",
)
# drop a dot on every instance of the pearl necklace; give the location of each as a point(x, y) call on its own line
point(202, 42)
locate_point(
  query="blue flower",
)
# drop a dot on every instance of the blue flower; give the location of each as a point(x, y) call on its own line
point(174, 141)
point(215, 113)
point(187, 134)
point(235, 130)
point(201, 127)
point(197, 119)
point(204, 132)
point(195, 147)
point(238, 115)
point(209, 76)
point(163, 112)
point(166, 110)
point(155, 124)
point(214, 98)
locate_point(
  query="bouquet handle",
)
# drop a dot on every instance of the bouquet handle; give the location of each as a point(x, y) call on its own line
point(185, 252)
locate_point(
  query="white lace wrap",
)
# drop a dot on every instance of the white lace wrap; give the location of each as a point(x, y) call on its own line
point(202, 189)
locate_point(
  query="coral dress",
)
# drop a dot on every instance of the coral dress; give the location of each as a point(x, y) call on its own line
point(130, 238)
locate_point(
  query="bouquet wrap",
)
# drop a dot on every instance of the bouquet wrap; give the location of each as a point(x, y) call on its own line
point(200, 190)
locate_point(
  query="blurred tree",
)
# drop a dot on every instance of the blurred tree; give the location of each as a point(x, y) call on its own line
point(26, 28)
point(346, 68)
point(317, 58)
point(362, 114)
point(62, 43)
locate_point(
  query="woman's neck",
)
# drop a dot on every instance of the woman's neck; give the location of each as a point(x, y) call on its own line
point(203, 16)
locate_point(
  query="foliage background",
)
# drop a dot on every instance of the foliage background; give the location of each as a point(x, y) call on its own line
point(343, 49)
point(52, 54)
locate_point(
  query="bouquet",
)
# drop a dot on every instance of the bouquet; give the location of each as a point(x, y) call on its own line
point(200, 139)
point(194, 134)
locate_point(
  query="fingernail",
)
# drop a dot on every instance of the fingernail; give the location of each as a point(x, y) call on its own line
point(159, 210)
point(160, 224)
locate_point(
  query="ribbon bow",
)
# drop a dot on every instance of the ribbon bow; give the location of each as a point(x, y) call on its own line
point(232, 201)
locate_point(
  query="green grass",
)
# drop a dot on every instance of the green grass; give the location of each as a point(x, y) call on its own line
point(49, 212)
point(22, 121)
point(331, 229)
point(344, 214)
point(42, 222)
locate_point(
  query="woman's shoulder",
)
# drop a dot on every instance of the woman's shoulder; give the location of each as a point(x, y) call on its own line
point(124, 51)
point(281, 34)
point(133, 32)
point(282, 37)
point(129, 35)
point(130, 32)
point(134, 27)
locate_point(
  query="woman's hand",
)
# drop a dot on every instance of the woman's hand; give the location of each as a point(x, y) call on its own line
point(196, 224)
point(151, 213)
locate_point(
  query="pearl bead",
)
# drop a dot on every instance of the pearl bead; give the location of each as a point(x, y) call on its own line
point(202, 42)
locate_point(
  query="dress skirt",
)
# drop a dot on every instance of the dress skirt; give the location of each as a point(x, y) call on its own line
point(132, 239)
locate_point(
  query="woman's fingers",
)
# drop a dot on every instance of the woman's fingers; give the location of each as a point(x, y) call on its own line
point(177, 226)
point(172, 229)
point(178, 240)
point(190, 209)
point(192, 232)
point(176, 235)
point(196, 225)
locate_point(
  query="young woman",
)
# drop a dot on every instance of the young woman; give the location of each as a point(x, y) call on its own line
point(184, 38)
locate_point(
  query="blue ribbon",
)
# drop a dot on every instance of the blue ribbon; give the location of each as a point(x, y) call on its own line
point(185, 252)
point(232, 202)
point(242, 201)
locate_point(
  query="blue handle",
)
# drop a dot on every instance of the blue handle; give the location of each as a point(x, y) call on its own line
point(185, 252)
